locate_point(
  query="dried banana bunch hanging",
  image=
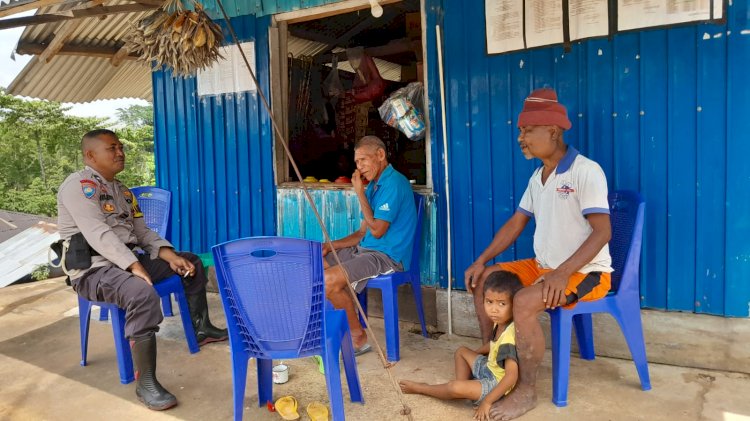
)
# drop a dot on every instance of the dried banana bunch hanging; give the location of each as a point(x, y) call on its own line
point(184, 41)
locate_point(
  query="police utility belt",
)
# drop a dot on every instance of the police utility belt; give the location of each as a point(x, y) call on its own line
point(75, 252)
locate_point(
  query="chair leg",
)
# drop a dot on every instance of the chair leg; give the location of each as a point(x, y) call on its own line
point(166, 306)
point(632, 328)
point(362, 297)
point(561, 325)
point(333, 376)
point(265, 381)
point(350, 364)
point(187, 322)
point(239, 378)
point(390, 318)
point(416, 288)
point(84, 319)
point(122, 347)
point(103, 314)
point(585, 335)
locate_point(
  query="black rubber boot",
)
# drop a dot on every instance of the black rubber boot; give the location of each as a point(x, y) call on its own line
point(205, 332)
point(147, 387)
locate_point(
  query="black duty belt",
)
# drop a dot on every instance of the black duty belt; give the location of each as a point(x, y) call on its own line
point(131, 246)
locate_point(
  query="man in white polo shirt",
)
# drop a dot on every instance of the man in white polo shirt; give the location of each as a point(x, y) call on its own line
point(567, 197)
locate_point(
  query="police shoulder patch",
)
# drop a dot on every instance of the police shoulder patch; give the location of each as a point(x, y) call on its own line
point(88, 187)
point(136, 209)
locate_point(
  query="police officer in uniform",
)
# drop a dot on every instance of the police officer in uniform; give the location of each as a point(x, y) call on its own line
point(98, 214)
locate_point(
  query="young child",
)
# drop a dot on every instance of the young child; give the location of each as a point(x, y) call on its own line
point(489, 373)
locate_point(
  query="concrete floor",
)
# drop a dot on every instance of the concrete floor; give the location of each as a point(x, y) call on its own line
point(40, 378)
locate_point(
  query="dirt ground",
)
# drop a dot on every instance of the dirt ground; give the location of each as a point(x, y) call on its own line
point(41, 379)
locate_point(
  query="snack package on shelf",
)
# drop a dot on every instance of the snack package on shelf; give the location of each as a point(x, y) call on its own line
point(403, 110)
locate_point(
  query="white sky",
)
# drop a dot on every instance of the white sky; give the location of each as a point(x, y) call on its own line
point(10, 68)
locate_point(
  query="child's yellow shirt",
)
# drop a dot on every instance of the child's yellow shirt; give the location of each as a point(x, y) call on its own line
point(500, 350)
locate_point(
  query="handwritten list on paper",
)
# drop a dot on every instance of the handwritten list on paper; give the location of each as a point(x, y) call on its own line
point(504, 25)
point(636, 14)
point(544, 22)
point(229, 75)
point(588, 18)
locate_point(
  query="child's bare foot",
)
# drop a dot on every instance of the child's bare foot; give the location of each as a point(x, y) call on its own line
point(409, 386)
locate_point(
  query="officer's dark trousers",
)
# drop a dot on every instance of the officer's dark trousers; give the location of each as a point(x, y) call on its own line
point(140, 301)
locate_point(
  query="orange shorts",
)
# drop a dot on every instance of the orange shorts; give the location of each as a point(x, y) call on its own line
point(586, 286)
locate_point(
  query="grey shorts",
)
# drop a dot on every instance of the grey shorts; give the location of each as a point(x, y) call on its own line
point(481, 372)
point(363, 264)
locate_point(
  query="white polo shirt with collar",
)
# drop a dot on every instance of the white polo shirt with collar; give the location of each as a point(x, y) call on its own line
point(576, 188)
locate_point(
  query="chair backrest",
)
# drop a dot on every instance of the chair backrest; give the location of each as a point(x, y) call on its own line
point(626, 210)
point(155, 204)
point(417, 245)
point(273, 293)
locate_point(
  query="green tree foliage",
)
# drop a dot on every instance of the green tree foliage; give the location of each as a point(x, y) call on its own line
point(40, 146)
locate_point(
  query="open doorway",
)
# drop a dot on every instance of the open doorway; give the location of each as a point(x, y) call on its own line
point(345, 74)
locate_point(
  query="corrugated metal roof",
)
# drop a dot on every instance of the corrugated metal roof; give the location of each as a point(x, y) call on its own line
point(20, 254)
point(68, 78)
point(82, 79)
point(236, 8)
point(77, 79)
point(301, 47)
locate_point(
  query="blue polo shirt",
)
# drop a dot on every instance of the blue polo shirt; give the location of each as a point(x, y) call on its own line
point(391, 199)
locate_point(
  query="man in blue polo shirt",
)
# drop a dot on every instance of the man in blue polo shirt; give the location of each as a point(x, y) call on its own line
point(383, 243)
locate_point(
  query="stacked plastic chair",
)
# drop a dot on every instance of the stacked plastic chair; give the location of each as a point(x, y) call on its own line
point(388, 285)
point(273, 293)
point(155, 204)
point(623, 302)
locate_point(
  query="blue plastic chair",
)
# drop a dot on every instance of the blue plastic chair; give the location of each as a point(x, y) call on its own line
point(623, 302)
point(273, 293)
point(155, 203)
point(171, 285)
point(388, 285)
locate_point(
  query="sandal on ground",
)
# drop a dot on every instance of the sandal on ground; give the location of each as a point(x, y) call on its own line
point(317, 411)
point(287, 408)
point(364, 349)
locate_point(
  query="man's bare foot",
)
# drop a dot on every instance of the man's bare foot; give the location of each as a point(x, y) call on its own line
point(359, 339)
point(517, 403)
point(408, 386)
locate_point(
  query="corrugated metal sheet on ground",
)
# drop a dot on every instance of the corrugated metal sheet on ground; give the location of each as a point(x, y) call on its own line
point(215, 155)
point(663, 112)
point(23, 252)
point(341, 213)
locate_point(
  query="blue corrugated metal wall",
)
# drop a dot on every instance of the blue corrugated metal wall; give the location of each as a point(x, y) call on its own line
point(215, 155)
point(341, 212)
point(662, 111)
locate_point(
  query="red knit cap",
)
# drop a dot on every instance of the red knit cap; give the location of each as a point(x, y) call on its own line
point(542, 109)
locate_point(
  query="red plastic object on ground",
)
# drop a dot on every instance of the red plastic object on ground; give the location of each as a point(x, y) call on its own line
point(270, 406)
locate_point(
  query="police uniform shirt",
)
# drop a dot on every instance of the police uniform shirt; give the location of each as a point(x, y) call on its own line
point(576, 188)
point(108, 215)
